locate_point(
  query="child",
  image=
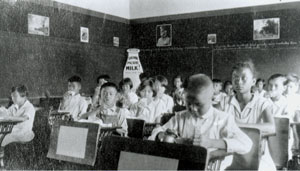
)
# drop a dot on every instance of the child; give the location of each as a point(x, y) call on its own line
point(260, 83)
point(148, 108)
point(218, 95)
point(202, 124)
point(23, 111)
point(127, 97)
point(292, 95)
point(250, 110)
point(160, 85)
point(100, 81)
point(72, 101)
point(178, 93)
point(228, 89)
point(108, 109)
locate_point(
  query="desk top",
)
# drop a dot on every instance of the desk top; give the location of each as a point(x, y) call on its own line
point(9, 120)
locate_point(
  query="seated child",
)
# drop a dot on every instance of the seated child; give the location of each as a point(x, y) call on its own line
point(23, 111)
point(218, 95)
point(292, 95)
point(148, 108)
point(108, 114)
point(72, 101)
point(260, 83)
point(178, 93)
point(100, 81)
point(127, 97)
point(160, 85)
point(228, 89)
point(202, 123)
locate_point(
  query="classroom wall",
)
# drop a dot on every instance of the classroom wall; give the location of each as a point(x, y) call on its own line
point(45, 63)
point(234, 29)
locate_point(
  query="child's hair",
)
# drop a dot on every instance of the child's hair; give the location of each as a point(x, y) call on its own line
point(198, 81)
point(218, 81)
point(109, 84)
point(292, 78)
point(144, 75)
point(74, 78)
point(162, 79)
point(226, 84)
point(245, 64)
point(21, 89)
point(124, 82)
point(260, 80)
point(105, 77)
point(145, 83)
point(274, 76)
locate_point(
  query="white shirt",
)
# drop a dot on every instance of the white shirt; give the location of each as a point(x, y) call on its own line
point(27, 110)
point(169, 103)
point(150, 112)
point(252, 113)
point(280, 107)
point(214, 124)
point(76, 105)
point(218, 98)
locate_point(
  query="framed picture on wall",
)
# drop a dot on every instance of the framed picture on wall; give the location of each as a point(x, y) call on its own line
point(84, 34)
point(38, 25)
point(116, 41)
point(212, 38)
point(264, 29)
point(164, 35)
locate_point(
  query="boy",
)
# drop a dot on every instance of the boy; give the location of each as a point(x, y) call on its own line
point(72, 101)
point(203, 124)
point(108, 109)
point(292, 95)
point(218, 95)
point(102, 79)
point(160, 84)
point(260, 83)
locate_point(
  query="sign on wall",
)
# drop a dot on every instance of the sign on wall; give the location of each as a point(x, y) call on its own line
point(84, 34)
point(38, 25)
point(268, 28)
point(133, 67)
point(212, 38)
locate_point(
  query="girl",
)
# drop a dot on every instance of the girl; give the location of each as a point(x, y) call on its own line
point(228, 89)
point(127, 97)
point(178, 94)
point(250, 110)
point(148, 108)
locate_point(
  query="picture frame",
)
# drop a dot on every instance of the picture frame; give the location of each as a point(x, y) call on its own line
point(84, 34)
point(265, 29)
point(164, 35)
point(211, 38)
point(38, 25)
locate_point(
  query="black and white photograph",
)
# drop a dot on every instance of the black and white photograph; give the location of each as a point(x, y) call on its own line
point(164, 35)
point(268, 28)
point(150, 85)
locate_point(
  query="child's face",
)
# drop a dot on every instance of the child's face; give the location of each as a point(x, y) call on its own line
point(74, 86)
point(158, 87)
point(197, 102)
point(229, 89)
point(126, 88)
point(147, 92)
point(109, 96)
point(177, 83)
point(292, 88)
point(242, 80)
point(217, 87)
point(16, 98)
point(276, 87)
point(260, 85)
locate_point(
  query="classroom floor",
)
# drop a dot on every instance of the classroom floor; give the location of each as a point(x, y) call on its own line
point(33, 155)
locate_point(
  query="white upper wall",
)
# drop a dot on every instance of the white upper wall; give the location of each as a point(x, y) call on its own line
point(133, 9)
point(118, 8)
point(151, 8)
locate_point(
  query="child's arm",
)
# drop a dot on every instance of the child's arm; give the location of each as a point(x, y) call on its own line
point(96, 95)
point(86, 115)
point(210, 143)
point(17, 118)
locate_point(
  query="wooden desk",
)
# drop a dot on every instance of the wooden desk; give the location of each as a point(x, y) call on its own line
point(6, 126)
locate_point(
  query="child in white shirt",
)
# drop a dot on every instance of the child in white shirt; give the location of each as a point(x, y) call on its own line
point(127, 97)
point(160, 85)
point(202, 124)
point(148, 108)
point(72, 101)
